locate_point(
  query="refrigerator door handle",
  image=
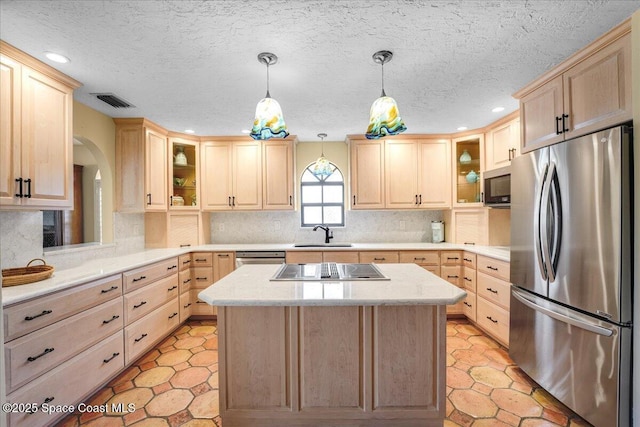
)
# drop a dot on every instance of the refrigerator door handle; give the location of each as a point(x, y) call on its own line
point(561, 317)
point(544, 226)
point(556, 206)
point(537, 226)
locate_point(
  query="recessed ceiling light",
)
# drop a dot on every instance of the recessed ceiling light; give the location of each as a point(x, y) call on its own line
point(498, 109)
point(246, 131)
point(56, 57)
point(462, 128)
point(189, 131)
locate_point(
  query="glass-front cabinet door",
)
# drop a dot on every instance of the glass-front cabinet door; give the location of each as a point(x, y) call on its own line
point(184, 176)
point(467, 169)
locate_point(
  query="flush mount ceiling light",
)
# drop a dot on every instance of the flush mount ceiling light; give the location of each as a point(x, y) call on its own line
point(56, 57)
point(269, 122)
point(497, 109)
point(384, 118)
point(322, 167)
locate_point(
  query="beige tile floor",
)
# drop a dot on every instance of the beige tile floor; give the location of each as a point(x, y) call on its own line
point(176, 384)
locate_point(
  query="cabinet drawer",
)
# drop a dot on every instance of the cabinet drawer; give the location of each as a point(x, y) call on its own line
point(303, 257)
point(494, 290)
point(201, 277)
point(142, 334)
point(435, 269)
point(450, 257)
point(184, 280)
point(456, 309)
point(199, 307)
point(341, 256)
point(420, 257)
point(202, 259)
point(135, 279)
point(379, 257)
point(145, 300)
point(469, 260)
point(185, 306)
point(452, 274)
point(184, 261)
point(469, 306)
point(40, 351)
point(469, 278)
point(494, 267)
point(69, 382)
point(25, 317)
point(493, 319)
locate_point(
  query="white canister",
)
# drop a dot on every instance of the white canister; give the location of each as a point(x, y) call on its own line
point(437, 231)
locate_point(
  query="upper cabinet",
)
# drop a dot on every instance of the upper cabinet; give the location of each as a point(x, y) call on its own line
point(36, 138)
point(277, 164)
point(400, 173)
point(141, 166)
point(467, 170)
point(588, 92)
point(502, 142)
point(184, 173)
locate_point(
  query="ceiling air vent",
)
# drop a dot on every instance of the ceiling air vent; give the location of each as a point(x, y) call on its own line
point(113, 100)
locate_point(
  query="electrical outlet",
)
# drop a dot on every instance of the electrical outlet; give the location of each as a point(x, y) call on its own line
point(276, 225)
point(221, 226)
point(401, 225)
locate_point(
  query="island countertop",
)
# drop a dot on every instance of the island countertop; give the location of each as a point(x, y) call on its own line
point(409, 284)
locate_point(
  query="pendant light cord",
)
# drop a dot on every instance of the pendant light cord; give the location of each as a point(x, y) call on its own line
point(382, 65)
point(268, 95)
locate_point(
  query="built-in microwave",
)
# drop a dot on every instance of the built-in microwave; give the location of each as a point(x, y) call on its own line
point(497, 188)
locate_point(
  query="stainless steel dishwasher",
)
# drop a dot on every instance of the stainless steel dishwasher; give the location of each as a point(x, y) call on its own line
point(259, 257)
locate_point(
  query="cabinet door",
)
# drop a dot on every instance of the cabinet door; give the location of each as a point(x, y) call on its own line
point(216, 160)
point(223, 264)
point(156, 171)
point(277, 161)
point(468, 153)
point(470, 227)
point(183, 174)
point(401, 174)
point(184, 229)
point(501, 143)
point(538, 112)
point(130, 192)
point(10, 75)
point(247, 174)
point(367, 174)
point(434, 174)
point(46, 140)
point(597, 91)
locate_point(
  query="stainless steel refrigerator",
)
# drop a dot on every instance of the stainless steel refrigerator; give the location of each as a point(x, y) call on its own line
point(571, 270)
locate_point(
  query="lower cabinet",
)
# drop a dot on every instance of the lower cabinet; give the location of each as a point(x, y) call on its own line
point(142, 334)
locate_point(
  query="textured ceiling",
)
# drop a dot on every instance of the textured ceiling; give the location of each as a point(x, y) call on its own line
point(193, 65)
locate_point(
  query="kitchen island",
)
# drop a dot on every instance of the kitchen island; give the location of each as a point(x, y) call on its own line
point(320, 353)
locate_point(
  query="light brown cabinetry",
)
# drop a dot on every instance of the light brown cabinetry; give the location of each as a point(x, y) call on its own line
point(468, 165)
point(206, 269)
point(379, 257)
point(184, 286)
point(429, 260)
point(176, 229)
point(451, 271)
point(231, 175)
point(367, 174)
point(493, 297)
point(277, 164)
point(36, 109)
point(184, 173)
point(502, 142)
point(588, 92)
point(469, 284)
point(467, 226)
point(141, 166)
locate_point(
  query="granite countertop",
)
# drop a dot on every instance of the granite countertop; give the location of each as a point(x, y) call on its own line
point(103, 267)
point(409, 284)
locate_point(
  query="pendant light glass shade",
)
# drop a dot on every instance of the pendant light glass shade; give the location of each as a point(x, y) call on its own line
point(384, 118)
point(269, 121)
point(322, 166)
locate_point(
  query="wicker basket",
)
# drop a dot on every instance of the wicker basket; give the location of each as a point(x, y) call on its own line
point(28, 274)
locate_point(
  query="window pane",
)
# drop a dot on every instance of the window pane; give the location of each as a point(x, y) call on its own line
point(307, 176)
point(332, 193)
point(333, 214)
point(336, 176)
point(311, 194)
point(312, 215)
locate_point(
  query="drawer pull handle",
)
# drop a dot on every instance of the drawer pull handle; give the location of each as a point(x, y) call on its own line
point(452, 258)
point(186, 281)
point(140, 305)
point(172, 267)
point(47, 400)
point(494, 321)
point(451, 277)
point(115, 316)
point(467, 279)
point(172, 288)
point(469, 243)
point(186, 262)
point(419, 259)
point(173, 315)
point(467, 259)
point(379, 259)
point(185, 245)
point(201, 259)
point(200, 302)
point(223, 255)
point(141, 338)
point(113, 356)
point(467, 304)
point(492, 268)
point(104, 291)
point(45, 312)
point(492, 290)
point(46, 351)
point(201, 278)
point(140, 278)
point(187, 306)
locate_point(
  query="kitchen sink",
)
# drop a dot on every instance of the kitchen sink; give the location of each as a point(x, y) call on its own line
point(322, 245)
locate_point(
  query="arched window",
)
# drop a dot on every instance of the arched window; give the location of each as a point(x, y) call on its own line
point(322, 198)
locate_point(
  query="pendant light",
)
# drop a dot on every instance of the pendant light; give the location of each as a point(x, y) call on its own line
point(384, 118)
point(322, 167)
point(269, 122)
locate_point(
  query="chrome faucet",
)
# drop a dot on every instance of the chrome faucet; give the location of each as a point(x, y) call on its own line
point(328, 233)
